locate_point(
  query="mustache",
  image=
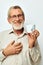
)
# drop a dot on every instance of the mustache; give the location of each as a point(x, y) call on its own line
point(17, 21)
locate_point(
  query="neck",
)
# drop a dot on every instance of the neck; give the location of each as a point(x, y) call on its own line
point(18, 32)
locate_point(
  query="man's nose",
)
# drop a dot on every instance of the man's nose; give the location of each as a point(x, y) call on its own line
point(17, 18)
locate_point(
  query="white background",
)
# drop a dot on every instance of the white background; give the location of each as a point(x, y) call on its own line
point(33, 10)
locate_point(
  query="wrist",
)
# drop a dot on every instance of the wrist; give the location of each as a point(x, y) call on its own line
point(4, 53)
point(31, 46)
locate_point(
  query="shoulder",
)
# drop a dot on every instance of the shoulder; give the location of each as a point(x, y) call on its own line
point(5, 32)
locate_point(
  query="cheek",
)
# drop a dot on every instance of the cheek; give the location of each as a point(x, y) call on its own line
point(21, 19)
point(11, 19)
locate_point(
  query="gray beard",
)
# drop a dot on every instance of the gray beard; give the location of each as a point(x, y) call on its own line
point(17, 27)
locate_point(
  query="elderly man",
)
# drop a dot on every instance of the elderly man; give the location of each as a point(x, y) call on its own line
point(16, 46)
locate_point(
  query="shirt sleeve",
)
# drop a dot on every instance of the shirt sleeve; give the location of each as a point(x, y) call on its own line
point(35, 53)
point(2, 57)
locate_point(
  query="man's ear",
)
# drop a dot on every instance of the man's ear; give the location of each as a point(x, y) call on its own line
point(9, 20)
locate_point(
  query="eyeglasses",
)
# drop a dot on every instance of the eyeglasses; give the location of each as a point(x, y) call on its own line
point(14, 16)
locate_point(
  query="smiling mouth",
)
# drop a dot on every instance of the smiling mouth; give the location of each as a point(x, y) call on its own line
point(17, 23)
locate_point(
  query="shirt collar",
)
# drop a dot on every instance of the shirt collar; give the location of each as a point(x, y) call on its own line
point(20, 36)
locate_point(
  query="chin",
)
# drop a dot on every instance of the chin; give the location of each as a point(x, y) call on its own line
point(15, 27)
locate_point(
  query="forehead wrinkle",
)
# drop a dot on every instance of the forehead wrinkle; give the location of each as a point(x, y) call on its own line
point(15, 12)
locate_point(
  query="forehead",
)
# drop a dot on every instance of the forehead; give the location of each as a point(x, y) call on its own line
point(15, 11)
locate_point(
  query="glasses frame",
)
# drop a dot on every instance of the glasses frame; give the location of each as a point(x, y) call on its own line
point(15, 16)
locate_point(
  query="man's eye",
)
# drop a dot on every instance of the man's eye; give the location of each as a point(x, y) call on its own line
point(14, 16)
point(19, 15)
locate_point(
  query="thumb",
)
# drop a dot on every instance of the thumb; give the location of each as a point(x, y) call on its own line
point(12, 42)
point(29, 35)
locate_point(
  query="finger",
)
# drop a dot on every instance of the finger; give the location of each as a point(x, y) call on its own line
point(36, 35)
point(16, 44)
point(12, 42)
point(36, 32)
point(18, 47)
point(29, 35)
point(33, 36)
point(18, 51)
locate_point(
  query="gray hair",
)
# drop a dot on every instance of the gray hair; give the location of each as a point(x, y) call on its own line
point(15, 7)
